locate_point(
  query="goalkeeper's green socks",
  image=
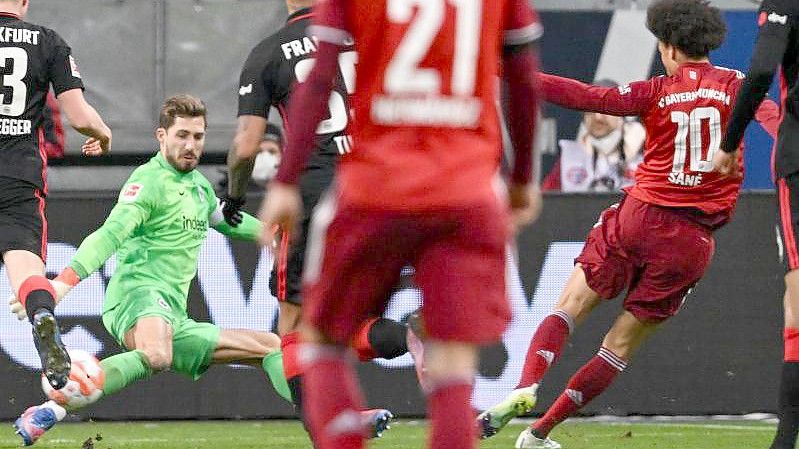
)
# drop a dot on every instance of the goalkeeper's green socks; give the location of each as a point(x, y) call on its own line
point(124, 369)
point(273, 367)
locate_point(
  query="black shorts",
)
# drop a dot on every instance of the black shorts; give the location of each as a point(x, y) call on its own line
point(285, 283)
point(23, 223)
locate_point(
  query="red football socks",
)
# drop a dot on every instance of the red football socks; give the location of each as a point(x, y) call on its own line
point(790, 338)
point(589, 382)
point(452, 419)
point(545, 347)
point(36, 293)
point(361, 343)
point(332, 399)
point(290, 345)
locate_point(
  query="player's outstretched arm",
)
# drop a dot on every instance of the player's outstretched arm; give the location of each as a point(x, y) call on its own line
point(85, 120)
point(92, 252)
point(772, 41)
point(132, 210)
point(631, 99)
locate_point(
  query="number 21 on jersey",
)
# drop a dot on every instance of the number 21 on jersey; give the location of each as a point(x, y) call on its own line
point(414, 95)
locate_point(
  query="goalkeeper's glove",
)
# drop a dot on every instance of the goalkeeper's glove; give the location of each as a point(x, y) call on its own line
point(231, 210)
point(62, 284)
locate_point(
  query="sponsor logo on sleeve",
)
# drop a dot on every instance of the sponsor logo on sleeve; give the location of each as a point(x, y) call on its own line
point(244, 90)
point(130, 193)
point(164, 305)
point(625, 90)
point(73, 66)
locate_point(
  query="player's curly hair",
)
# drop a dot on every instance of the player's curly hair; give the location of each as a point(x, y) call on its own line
point(181, 105)
point(692, 26)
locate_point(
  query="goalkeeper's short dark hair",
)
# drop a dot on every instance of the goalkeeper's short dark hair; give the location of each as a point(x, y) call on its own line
point(181, 105)
point(692, 26)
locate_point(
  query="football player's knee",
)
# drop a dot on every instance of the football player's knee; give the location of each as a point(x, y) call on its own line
point(159, 358)
point(269, 342)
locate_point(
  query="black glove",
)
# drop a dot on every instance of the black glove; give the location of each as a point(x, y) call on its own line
point(231, 209)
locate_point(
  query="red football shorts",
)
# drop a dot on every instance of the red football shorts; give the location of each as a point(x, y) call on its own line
point(355, 256)
point(657, 253)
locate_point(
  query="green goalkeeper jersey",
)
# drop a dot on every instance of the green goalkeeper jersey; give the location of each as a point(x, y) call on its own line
point(156, 228)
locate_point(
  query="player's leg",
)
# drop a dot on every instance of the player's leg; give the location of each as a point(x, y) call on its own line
point(618, 347)
point(285, 284)
point(601, 272)
point(23, 243)
point(789, 379)
point(376, 338)
point(26, 274)
point(261, 349)
point(575, 304)
point(673, 254)
point(461, 272)
point(451, 367)
point(788, 221)
point(149, 341)
point(347, 282)
point(380, 338)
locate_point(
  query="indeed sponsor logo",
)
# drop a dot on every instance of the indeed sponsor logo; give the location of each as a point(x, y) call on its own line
point(194, 224)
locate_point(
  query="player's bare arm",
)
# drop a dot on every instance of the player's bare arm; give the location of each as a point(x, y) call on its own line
point(240, 163)
point(85, 120)
point(241, 157)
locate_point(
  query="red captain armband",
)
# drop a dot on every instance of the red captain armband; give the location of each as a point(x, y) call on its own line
point(69, 277)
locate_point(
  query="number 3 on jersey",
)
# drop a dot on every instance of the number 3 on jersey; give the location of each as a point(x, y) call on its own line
point(339, 116)
point(19, 91)
point(692, 124)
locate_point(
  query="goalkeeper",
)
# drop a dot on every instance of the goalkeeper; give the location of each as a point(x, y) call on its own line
point(156, 229)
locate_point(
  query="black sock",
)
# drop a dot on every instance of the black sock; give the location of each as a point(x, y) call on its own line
point(37, 300)
point(388, 338)
point(295, 387)
point(789, 407)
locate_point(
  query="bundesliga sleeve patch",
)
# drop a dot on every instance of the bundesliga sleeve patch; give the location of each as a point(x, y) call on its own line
point(73, 66)
point(130, 193)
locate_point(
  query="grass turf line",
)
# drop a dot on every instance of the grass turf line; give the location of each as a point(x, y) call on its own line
point(403, 434)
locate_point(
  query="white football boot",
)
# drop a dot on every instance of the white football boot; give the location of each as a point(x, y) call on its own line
point(527, 440)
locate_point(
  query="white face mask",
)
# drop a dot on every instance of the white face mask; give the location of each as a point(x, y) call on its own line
point(605, 145)
point(265, 167)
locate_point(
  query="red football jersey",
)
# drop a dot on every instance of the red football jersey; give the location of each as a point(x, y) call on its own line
point(426, 127)
point(685, 116)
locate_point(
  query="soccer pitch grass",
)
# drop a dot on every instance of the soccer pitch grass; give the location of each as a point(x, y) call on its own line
point(403, 434)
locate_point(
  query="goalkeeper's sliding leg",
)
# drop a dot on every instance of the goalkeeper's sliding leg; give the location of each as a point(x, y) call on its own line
point(156, 345)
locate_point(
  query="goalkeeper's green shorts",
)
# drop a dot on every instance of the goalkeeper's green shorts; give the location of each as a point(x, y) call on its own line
point(193, 343)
